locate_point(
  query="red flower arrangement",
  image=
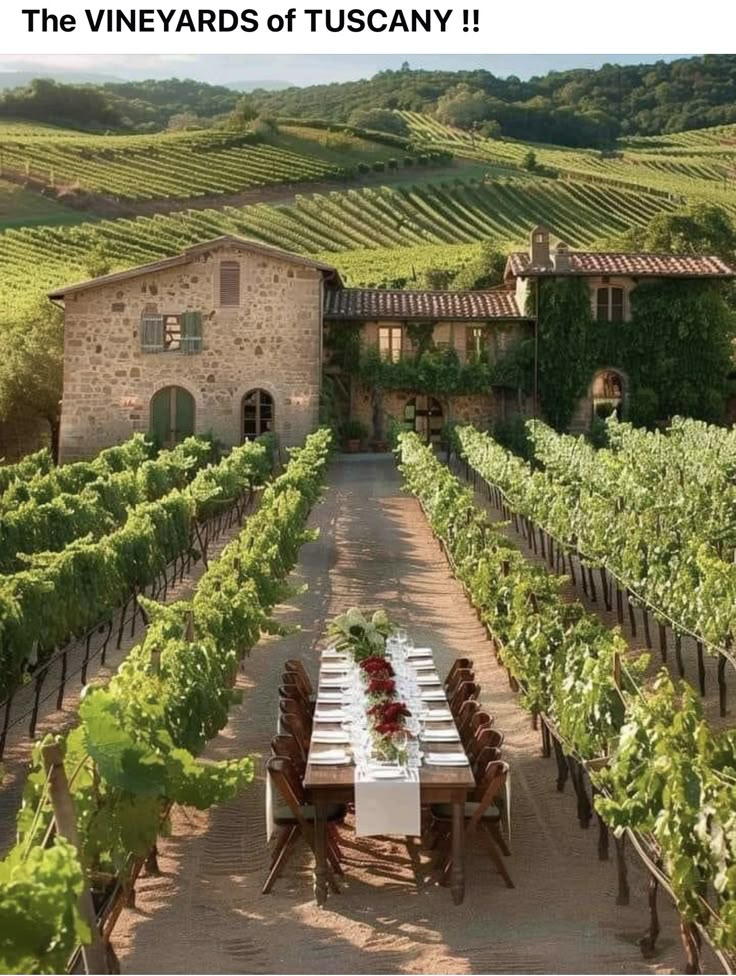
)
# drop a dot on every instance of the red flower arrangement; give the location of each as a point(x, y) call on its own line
point(381, 688)
point(377, 667)
point(389, 713)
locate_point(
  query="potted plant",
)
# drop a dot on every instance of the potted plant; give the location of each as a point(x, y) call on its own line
point(355, 431)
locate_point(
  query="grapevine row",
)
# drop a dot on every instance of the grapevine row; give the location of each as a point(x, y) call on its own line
point(658, 769)
point(134, 752)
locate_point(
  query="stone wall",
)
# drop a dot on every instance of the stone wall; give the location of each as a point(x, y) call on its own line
point(480, 410)
point(272, 341)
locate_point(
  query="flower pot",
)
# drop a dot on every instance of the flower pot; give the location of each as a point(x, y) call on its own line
point(352, 445)
point(380, 447)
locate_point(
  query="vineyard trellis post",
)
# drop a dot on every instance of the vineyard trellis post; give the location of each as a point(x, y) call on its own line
point(94, 955)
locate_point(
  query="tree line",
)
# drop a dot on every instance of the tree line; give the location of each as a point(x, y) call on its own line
point(580, 107)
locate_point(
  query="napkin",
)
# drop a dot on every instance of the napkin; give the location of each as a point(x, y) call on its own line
point(436, 715)
point(327, 735)
point(447, 759)
point(441, 735)
point(419, 652)
point(432, 694)
point(428, 679)
point(328, 757)
point(329, 714)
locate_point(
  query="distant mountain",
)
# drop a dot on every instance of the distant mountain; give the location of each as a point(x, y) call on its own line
point(19, 79)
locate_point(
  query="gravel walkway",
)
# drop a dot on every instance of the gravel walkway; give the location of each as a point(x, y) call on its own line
point(205, 912)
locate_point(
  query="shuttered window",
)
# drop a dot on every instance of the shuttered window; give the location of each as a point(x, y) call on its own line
point(152, 333)
point(610, 305)
point(191, 332)
point(230, 283)
point(476, 343)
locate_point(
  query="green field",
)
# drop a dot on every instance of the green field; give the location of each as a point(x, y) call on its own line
point(181, 164)
point(370, 220)
point(690, 166)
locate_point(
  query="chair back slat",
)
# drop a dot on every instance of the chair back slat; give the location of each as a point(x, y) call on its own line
point(492, 782)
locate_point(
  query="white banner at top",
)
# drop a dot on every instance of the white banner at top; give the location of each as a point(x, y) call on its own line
point(345, 27)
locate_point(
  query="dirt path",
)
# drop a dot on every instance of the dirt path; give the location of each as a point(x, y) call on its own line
point(205, 912)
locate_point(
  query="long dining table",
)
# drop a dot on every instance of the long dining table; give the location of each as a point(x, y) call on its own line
point(326, 785)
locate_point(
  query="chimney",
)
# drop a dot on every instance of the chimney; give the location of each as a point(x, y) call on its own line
point(540, 247)
point(561, 257)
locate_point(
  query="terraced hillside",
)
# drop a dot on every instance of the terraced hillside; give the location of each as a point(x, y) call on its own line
point(367, 221)
point(686, 166)
point(180, 164)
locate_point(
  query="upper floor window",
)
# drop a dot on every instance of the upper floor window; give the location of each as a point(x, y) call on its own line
point(609, 303)
point(389, 342)
point(476, 342)
point(171, 333)
point(230, 283)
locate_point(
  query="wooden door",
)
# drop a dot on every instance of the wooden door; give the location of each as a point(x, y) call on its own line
point(172, 415)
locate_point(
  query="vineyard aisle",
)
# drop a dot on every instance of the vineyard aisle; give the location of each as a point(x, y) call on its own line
point(205, 912)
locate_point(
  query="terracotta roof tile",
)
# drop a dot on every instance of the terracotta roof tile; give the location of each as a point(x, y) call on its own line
point(376, 304)
point(639, 265)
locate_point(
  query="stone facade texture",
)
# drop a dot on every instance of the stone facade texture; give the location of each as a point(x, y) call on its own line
point(271, 341)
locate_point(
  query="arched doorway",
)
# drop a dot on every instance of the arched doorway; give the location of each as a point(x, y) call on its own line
point(258, 414)
point(425, 413)
point(172, 415)
point(607, 392)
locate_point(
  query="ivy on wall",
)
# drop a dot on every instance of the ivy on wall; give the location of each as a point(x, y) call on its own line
point(675, 351)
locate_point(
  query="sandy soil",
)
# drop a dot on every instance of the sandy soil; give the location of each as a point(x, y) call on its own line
point(205, 912)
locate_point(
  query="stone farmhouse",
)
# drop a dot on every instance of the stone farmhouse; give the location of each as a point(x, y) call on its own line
point(228, 338)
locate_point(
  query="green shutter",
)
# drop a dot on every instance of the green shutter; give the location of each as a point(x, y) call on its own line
point(191, 332)
point(152, 332)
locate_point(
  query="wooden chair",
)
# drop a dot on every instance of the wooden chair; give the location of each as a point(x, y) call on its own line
point(296, 723)
point(484, 737)
point(465, 691)
point(460, 662)
point(464, 715)
point(294, 666)
point(295, 817)
point(462, 674)
point(477, 721)
point(292, 686)
point(484, 812)
point(287, 747)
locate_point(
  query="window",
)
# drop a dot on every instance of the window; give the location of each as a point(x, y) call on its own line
point(257, 414)
point(389, 342)
point(171, 333)
point(610, 304)
point(230, 283)
point(476, 342)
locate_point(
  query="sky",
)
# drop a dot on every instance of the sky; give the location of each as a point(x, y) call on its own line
point(303, 69)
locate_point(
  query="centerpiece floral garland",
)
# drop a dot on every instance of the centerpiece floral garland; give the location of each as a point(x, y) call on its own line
point(364, 640)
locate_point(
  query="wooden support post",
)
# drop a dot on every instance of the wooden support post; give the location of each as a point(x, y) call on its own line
point(647, 634)
point(722, 689)
point(663, 642)
point(622, 897)
point(94, 955)
point(562, 770)
point(678, 655)
point(648, 943)
point(632, 614)
point(591, 580)
point(691, 943)
point(605, 587)
point(602, 838)
point(701, 667)
point(619, 606)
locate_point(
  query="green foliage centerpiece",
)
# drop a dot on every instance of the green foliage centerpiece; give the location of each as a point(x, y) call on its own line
point(360, 636)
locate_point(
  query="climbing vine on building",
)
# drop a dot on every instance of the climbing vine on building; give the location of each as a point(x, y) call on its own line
point(675, 352)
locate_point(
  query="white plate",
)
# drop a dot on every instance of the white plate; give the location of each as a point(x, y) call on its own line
point(438, 715)
point(329, 697)
point(329, 715)
point(327, 736)
point(419, 652)
point(430, 694)
point(321, 760)
point(446, 759)
point(332, 682)
point(440, 735)
point(428, 679)
point(422, 664)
